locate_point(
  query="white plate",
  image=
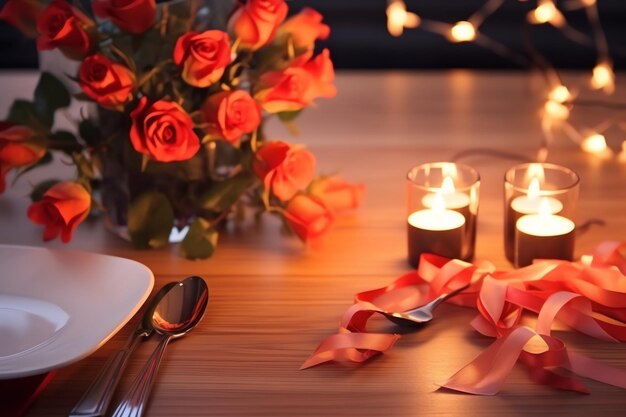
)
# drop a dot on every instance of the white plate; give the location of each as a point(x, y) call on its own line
point(58, 306)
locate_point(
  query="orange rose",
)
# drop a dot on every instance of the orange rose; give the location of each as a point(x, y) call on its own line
point(298, 85)
point(304, 28)
point(202, 56)
point(132, 16)
point(23, 15)
point(283, 168)
point(163, 130)
point(231, 114)
point(108, 83)
point(308, 217)
point(61, 209)
point(255, 22)
point(64, 27)
point(16, 149)
point(338, 194)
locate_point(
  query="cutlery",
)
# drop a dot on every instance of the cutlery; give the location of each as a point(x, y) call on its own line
point(421, 314)
point(97, 398)
point(178, 312)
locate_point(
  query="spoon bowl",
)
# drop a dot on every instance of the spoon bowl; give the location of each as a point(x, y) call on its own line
point(180, 310)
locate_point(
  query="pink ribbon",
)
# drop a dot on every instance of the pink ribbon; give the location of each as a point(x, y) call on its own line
point(588, 296)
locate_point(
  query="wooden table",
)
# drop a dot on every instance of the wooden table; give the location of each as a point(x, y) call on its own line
point(272, 300)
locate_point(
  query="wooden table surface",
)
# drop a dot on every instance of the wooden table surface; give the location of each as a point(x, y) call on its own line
point(272, 300)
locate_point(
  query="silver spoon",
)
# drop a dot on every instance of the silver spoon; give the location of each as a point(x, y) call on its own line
point(97, 398)
point(421, 314)
point(178, 312)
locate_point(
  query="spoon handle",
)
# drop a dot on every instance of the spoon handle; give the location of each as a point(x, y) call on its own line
point(134, 402)
point(98, 396)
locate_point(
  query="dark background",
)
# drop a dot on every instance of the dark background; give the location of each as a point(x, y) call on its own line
point(359, 37)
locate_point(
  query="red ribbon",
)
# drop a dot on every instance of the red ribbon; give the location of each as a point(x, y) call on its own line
point(588, 296)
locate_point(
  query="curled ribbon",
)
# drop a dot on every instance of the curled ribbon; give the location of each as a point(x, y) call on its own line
point(588, 296)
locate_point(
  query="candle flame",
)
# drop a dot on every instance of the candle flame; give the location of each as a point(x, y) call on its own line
point(439, 203)
point(398, 18)
point(447, 186)
point(534, 189)
point(449, 170)
point(544, 208)
point(463, 31)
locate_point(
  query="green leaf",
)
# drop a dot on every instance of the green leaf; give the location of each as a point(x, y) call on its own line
point(90, 132)
point(64, 141)
point(26, 113)
point(200, 241)
point(39, 190)
point(289, 116)
point(222, 195)
point(150, 220)
point(51, 94)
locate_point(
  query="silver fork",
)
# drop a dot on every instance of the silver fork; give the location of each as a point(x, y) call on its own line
point(421, 314)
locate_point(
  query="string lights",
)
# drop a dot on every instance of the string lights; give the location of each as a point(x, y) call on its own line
point(559, 101)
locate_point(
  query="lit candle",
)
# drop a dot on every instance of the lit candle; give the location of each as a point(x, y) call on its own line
point(435, 230)
point(459, 202)
point(527, 204)
point(543, 236)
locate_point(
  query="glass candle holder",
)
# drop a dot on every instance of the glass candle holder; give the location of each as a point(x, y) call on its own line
point(539, 210)
point(442, 205)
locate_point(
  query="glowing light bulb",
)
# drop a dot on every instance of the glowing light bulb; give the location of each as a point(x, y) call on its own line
point(560, 94)
point(595, 144)
point(556, 111)
point(398, 18)
point(546, 12)
point(603, 77)
point(463, 31)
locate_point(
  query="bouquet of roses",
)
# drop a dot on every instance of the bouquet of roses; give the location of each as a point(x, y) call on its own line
point(177, 137)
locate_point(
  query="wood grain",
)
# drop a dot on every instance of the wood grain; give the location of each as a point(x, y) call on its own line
point(272, 300)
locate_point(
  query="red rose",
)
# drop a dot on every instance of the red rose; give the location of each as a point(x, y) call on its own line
point(202, 56)
point(255, 22)
point(283, 168)
point(16, 149)
point(304, 28)
point(163, 130)
point(62, 208)
point(133, 16)
point(108, 83)
point(338, 194)
point(23, 15)
point(308, 217)
point(298, 85)
point(231, 114)
point(62, 26)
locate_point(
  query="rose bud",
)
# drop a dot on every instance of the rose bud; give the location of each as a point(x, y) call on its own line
point(62, 26)
point(304, 29)
point(163, 130)
point(255, 22)
point(22, 14)
point(284, 169)
point(16, 149)
point(337, 194)
point(202, 56)
point(231, 114)
point(62, 208)
point(132, 16)
point(108, 83)
point(298, 85)
point(308, 217)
